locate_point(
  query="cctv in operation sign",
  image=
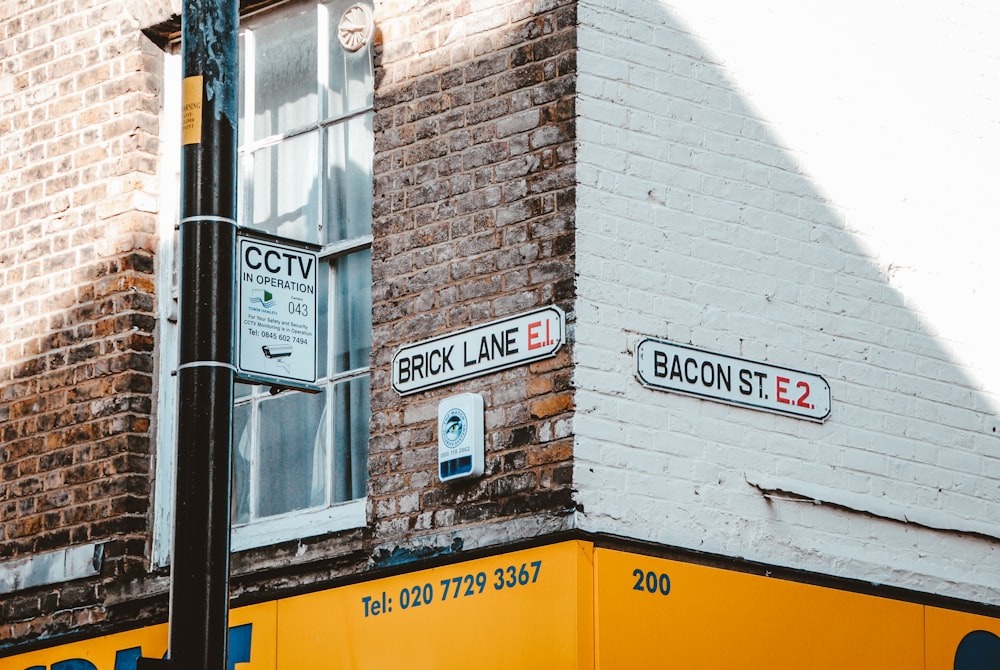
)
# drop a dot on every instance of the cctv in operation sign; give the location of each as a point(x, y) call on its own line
point(276, 312)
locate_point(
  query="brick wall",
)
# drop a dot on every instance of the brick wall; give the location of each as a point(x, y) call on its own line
point(474, 187)
point(78, 206)
point(474, 221)
point(745, 189)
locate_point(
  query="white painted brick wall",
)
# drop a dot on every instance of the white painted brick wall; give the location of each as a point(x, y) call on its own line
point(750, 185)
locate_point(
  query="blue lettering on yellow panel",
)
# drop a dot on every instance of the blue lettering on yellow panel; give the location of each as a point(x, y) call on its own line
point(240, 638)
point(125, 659)
point(239, 645)
point(979, 650)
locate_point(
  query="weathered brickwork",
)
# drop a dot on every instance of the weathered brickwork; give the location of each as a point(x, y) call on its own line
point(474, 189)
point(78, 201)
point(474, 221)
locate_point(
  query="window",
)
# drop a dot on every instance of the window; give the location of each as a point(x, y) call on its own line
point(300, 460)
point(305, 146)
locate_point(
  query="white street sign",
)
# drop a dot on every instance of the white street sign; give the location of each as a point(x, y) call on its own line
point(276, 326)
point(667, 366)
point(480, 350)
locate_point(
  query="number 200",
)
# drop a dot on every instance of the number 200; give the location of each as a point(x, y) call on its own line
point(651, 582)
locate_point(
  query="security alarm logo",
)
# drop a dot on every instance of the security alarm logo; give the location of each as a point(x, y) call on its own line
point(265, 299)
point(454, 427)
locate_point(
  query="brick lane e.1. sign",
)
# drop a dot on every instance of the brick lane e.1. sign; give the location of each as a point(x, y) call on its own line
point(668, 366)
point(480, 350)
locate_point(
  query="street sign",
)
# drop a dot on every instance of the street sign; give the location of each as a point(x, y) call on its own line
point(668, 366)
point(480, 350)
point(276, 311)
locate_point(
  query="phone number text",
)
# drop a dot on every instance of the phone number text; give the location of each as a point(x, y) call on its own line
point(452, 588)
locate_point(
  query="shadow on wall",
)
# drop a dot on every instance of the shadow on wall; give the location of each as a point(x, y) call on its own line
point(75, 447)
point(749, 188)
point(76, 413)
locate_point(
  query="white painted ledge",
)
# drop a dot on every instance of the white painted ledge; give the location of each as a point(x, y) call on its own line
point(52, 567)
point(773, 488)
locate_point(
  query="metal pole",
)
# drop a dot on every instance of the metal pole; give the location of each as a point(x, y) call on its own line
point(199, 591)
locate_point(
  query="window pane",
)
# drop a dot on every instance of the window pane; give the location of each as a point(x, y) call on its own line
point(242, 457)
point(285, 77)
point(292, 473)
point(335, 85)
point(349, 179)
point(322, 319)
point(352, 318)
point(286, 188)
point(351, 409)
point(241, 47)
point(335, 224)
point(360, 88)
point(359, 174)
point(350, 87)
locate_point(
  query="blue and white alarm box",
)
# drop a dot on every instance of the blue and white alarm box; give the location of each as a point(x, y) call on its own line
point(460, 436)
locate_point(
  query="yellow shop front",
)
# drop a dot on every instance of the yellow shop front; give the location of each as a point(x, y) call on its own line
point(571, 606)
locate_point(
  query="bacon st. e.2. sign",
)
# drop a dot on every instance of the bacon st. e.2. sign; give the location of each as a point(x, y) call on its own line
point(668, 366)
point(480, 350)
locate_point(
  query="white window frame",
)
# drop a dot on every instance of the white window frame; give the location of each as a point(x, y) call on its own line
point(271, 530)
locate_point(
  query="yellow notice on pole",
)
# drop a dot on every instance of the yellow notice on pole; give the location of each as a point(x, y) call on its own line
point(191, 97)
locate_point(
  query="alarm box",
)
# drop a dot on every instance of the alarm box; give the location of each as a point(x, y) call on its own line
point(460, 436)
